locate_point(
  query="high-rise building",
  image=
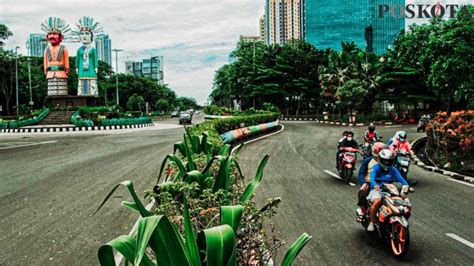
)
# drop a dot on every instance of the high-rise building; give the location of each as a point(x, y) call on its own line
point(103, 45)
point(262, 28)
point(149, 67)
point(36, 44)
point(284, 21)
point(330, 22)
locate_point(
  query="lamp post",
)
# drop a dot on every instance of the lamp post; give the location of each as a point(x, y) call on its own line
point(29, 79)
point(16, 77)
point(116, 73)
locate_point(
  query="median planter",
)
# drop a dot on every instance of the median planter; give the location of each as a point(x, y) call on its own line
point(241, 133)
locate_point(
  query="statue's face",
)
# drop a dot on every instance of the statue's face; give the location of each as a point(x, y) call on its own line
point(54, 38)
point(86, 37)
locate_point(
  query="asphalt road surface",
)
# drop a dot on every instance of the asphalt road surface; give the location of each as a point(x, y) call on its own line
point(319, 204)
point(51, 183)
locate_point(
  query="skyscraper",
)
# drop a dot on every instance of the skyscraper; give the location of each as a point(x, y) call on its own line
point(149, 67)
point(330, 22)
point(284, 21)
point(36, 44)
point(262, 28)
point(103, 45)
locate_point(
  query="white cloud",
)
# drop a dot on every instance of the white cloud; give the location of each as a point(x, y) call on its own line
point(194, 36)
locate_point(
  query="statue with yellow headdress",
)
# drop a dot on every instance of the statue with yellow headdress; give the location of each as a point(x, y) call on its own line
point(86, 57)
point(56, 57)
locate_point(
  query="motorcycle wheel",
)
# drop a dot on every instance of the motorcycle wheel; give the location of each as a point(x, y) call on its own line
point(400, 240)
point(347, 175)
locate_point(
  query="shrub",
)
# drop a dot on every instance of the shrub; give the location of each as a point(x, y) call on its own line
point(451, 138)
point(162, 105)
point(23, 121)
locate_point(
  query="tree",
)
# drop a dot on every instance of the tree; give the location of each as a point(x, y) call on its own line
point(4, 34)
point(351, 94)
point(7, 79)
point(135, 103)
point(162, 105)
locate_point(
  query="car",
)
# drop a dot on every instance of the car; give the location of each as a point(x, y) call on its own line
point(175, 114)
point(185, 118)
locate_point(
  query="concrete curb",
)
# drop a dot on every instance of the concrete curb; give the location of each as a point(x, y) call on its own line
point(333, 122)
point(72, 129)
point(435, 169)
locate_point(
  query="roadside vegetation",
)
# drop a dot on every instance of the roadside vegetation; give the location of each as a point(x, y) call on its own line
point(204, 212)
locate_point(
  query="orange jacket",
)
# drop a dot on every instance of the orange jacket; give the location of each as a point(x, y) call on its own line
point(56, 61)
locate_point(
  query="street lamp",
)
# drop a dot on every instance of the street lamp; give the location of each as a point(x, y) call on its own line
point(116, 73)
point(29, 78)
point(16, 74)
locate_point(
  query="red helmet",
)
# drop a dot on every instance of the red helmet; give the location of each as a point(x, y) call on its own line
point(377, 147)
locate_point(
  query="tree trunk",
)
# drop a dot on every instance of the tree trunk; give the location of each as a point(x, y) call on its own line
point(450, 102)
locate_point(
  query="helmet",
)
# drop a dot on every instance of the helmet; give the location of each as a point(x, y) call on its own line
point(377, 147)
point(386, 159)
point(371, 127)
point(402, 136)
point(349, 133)
point(344, 133)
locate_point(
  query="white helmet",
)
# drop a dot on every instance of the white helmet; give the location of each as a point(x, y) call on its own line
point(386, 159)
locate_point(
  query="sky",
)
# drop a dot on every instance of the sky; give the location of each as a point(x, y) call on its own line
point(194, 36)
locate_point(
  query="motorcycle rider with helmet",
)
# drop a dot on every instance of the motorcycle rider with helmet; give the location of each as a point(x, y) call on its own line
point(364, 178)
point(348, 141)
point(370, 135)
point(401, 143)
point(382, 173)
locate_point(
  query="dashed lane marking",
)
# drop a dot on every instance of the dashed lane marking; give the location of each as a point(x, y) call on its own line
point(337, 176)
point(462, 240)
point(30, 144)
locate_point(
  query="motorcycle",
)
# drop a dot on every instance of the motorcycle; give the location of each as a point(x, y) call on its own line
point(402, 163)
point(392, 219)
point(366, 148)
point(348, 159)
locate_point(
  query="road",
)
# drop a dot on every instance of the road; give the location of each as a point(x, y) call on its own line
point(51, 183)
point(317, 203)
point(48, 191)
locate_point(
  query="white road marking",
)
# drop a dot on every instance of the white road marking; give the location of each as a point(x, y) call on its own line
point(462, 240)
point(461, 182)
point(30, 144)
point(337, 176)
point(394, 126)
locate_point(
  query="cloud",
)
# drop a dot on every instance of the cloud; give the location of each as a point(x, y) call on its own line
point(194, 36)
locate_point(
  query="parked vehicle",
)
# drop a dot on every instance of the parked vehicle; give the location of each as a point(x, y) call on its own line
point(402, 163)
point(348, 159)
point(175, 113)
point(392, 219)
point(185, 118)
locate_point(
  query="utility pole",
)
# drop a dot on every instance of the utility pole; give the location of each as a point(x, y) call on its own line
point(16, 74)
point(116, 73)
point(29, 79)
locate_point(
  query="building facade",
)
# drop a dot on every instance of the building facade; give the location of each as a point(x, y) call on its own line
point(284, 21)
point(36, 44)
point(330, 22)
point(103, 45)
point(149, 67)
point(262, 28)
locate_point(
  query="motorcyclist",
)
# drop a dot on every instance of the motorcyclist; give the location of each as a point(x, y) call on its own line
point(348, 141)
point(370, 135)
point(364, 177)
point(382, 173)
point(401, 143)
point(390, 141)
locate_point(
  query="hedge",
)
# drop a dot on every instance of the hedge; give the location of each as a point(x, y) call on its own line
point(78, 121)
point(37, 117)
point(225, 125)
point(125, 121)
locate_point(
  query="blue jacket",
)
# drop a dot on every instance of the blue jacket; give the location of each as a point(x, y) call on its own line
point(385, 177)
point(363, 170)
